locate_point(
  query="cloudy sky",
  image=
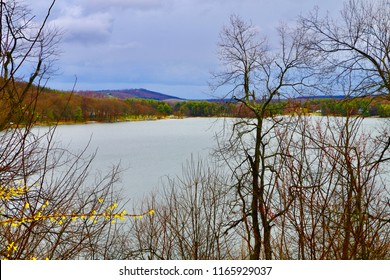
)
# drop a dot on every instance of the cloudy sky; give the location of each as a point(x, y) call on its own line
point(162, 45)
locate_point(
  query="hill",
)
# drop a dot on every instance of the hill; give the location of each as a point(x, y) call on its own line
point(129, 94)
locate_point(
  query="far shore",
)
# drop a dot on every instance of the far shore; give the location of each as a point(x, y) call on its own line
point(156, 118)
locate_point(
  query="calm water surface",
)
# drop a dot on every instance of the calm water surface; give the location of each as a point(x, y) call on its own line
point(148, 151)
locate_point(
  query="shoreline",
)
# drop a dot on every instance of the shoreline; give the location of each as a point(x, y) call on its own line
point(149, 118)
point(173, 117)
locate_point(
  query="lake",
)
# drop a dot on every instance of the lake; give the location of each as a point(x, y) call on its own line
point(148, 151)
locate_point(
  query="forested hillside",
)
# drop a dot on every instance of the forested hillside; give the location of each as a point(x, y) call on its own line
point(61, 106)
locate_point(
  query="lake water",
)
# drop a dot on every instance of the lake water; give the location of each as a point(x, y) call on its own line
point(148, 151)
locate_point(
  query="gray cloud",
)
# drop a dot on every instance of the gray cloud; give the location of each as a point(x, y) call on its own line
point(84, 28)
point(136, 5)
point(163, 45)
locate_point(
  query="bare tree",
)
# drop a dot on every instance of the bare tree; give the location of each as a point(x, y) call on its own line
point(48, 208)
point(337, 170)
point(192, 213)
point(259, 77)
point(355, 43)
point(355, 46)
point(305, 189)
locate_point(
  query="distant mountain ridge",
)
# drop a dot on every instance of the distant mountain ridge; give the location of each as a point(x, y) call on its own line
point(140, 93)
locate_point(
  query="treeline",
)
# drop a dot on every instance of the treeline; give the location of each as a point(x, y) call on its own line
point(53, 106)
point(367, 107)
point(359, 106)
point(67, 107)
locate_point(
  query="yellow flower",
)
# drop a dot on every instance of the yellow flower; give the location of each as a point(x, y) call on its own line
point(26, 205)
point(45, 205)
point(100, 200)
point(12, 246)
point(151, 212)
point(38, 216)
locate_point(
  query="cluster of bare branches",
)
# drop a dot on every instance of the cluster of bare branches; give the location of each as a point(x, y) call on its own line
point(300, 186)
point(307, 188)
point(356, 44)
point(48, 207)
point(192, 212)
point(334, 169)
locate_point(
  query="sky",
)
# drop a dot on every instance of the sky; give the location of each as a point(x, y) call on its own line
point(167, 46)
